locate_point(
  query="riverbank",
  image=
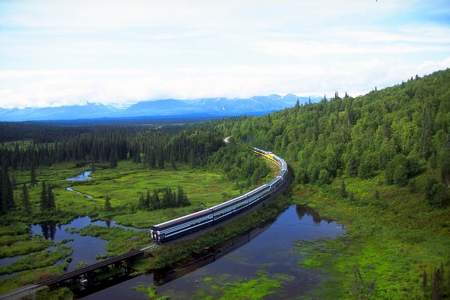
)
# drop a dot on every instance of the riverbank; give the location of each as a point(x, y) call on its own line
point(25, 235)
point(393, 238)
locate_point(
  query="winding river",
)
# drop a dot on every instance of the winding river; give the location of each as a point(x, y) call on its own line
point(271, 249)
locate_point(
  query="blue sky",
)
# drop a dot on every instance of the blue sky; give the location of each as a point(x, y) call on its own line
point(119, 52)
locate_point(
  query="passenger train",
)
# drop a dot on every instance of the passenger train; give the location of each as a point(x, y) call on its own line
point(183, 225)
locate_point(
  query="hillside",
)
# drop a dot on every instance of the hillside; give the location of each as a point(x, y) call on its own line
point(379, 164)
point(401, 131)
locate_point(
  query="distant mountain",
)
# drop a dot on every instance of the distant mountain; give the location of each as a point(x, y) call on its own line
point(213, 107)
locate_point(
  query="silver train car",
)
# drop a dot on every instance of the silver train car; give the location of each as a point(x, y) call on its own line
point(183, 225)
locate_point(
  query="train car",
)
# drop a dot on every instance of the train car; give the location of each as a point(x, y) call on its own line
point(225, 210)
point(180, 226)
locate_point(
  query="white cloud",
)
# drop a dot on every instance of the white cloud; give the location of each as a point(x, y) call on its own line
point(69, 52)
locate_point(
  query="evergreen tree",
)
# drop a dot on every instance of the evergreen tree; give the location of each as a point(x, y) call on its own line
point(44, 198)
point(33, 175)
point(7, 192)
point(343, 190)
point(51, 205)
point(182, 198)
point(156, 200)
point(108, 206)
point(142, 202)
point(147, 199)
point(113, 158)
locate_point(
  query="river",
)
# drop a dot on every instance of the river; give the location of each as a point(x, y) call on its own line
point(270, 249)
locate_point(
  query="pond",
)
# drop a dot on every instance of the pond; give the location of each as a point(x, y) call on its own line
point(85, 248)
point(85, 176)
point(270, 249)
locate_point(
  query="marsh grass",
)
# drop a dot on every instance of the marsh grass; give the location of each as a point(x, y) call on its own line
point(391, 239)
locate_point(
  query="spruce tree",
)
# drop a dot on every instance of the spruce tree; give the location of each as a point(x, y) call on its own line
point(1, 193)
point(147, 200)
point(50, 198)
point(343, 190)
point(33, 175)
point(108, 206)
point(156, 200)
point(44, 198)
point(182, 199)
point(141, 201)
point(7, 193)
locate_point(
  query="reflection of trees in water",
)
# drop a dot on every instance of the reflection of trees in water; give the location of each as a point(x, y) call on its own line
point(108, 223)
point(48, 230)
point(303, 210)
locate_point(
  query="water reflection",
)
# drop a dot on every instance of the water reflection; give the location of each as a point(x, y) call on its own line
point(271, 249)
point(48, 230)
point(85, 176)
point(85, 248)
point(303, 210)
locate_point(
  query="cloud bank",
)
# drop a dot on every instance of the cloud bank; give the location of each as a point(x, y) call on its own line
point(72, 52)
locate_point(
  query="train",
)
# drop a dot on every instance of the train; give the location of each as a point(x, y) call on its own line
point(184, 225)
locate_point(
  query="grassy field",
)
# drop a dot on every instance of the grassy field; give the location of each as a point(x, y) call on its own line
point(123, 184)
point(203, 187)
point(393, 237)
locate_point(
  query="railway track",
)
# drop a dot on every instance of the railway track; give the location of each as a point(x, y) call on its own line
point(173, 229)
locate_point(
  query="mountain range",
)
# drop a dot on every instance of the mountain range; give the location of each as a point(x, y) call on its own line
point(163, 108)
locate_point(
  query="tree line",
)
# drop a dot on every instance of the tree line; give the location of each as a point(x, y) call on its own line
point(155, 148)
point(7, 199)
point(163, 198)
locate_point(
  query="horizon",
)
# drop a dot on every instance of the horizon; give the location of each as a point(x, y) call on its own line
point(112, 53)
point(127, 105)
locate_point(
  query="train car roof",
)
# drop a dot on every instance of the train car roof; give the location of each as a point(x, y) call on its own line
point(207, 210)
point(182, 218)
point(283, 167)
point(248, 194)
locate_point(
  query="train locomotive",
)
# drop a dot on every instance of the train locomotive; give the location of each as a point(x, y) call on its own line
point(178, 227)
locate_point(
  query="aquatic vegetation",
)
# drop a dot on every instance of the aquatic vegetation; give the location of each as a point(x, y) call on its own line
point(258, 287)
point(13, 229)
point(388, 246)
point(38, 260)
point(116, 238)
point(24, 246)
point(151, 292)
point(54, 294)
point(29, 276)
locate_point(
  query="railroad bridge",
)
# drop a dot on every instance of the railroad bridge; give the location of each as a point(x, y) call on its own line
point(104, 270)
point(85, 277)
point(88, 275)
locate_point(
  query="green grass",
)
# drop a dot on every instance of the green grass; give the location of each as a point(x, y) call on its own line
point(20, 279)
point(224, 287)
point(24, 247)
point(38, 260)
point(203, 187)
point(390, 241)
point(119, 240)
point(123, 184)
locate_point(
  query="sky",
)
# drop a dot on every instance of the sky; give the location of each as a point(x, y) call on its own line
point(61, 52)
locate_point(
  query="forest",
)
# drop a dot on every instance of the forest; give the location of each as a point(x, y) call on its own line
point(154, 148)
point(401, 131)
point(380, 164)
